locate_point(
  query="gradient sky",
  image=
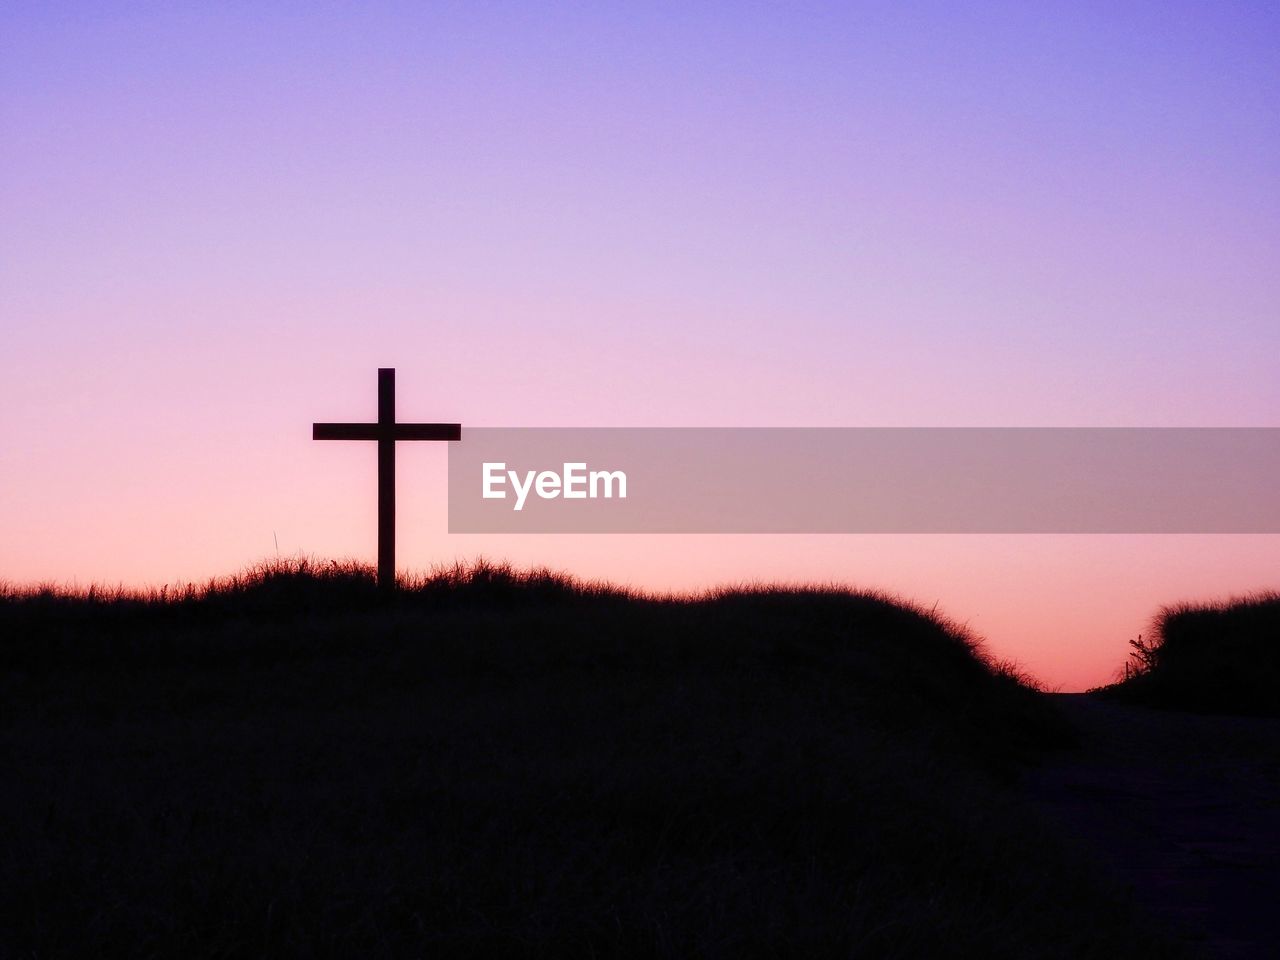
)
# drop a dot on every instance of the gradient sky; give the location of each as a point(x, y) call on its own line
point(216, 221)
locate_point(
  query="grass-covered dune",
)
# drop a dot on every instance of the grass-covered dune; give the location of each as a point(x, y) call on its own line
point(1217, 658)
point(509, 764)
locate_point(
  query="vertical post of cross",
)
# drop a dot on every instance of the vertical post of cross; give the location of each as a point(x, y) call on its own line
point(387, 479)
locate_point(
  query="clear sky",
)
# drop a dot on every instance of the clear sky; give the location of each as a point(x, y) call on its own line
point(216, 221)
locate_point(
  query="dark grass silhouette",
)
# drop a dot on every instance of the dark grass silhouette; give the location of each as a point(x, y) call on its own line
point(1212, 658)
point(519, 764)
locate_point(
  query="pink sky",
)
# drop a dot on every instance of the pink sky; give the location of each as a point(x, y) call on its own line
point(215, 226)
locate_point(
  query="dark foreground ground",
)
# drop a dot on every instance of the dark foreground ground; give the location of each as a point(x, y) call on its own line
point(1185, 810)
point(518, 766)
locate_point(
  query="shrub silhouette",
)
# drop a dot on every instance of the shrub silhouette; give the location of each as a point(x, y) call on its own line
point(1218, 657)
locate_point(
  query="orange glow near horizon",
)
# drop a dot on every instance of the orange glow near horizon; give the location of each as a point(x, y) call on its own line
point(1062, 606)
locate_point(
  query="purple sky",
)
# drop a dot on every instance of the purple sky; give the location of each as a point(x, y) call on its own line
point(217, 220)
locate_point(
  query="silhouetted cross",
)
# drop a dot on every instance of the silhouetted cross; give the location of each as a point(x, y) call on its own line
point(386, 431)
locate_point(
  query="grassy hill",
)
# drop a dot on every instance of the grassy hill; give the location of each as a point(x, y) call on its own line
point(1216, 658)
point(511, 764)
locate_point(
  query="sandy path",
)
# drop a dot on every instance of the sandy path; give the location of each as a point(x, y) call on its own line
point(1185, 809)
